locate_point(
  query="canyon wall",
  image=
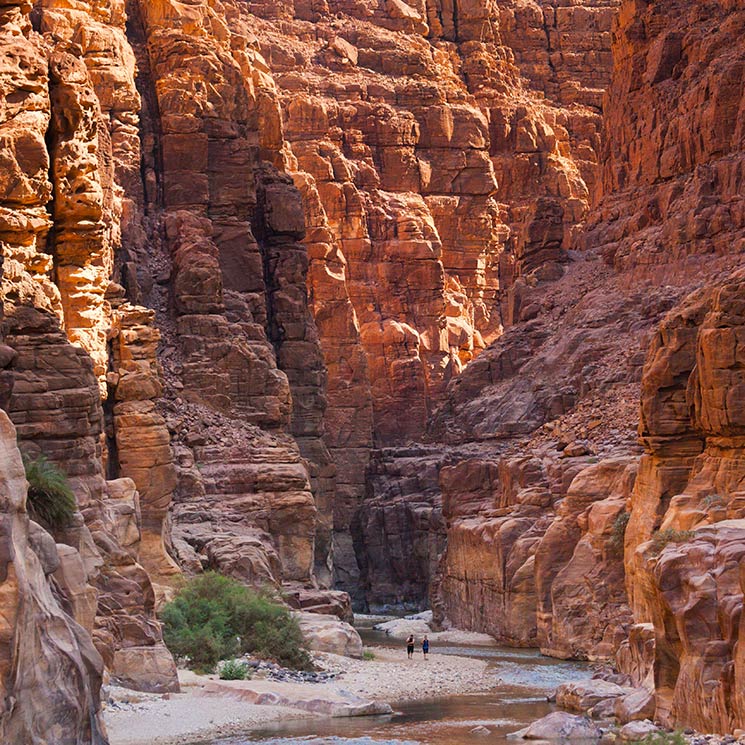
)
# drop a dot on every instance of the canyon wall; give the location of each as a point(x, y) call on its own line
point(684, 539)
point(50, 673)
point(157, 352)
point(442, 153)
point(359, 294)
point(646, 548)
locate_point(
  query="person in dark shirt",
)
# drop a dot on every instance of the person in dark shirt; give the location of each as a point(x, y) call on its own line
point(425, 646)
point(410, 646)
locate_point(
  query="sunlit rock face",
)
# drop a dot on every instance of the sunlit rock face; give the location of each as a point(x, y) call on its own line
point(130, 362)
point(359, 294)
point(435, 155)
point(444, 154)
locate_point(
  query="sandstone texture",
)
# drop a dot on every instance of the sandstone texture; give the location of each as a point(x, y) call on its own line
point(360, 297)
point(87, 233)
point(672, 169)
point(524, 535)
point(440, 152)
point(50, 672)
point(683, 563)
point(688, 390)
point(329, 634)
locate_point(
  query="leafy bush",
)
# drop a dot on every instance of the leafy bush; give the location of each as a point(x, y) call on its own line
point(664, 738)
point(215, 618)
point(233, 670)
point(51, 501)
point(713, 500)
point(368, 655)
point(618, 532)
point(662, 537)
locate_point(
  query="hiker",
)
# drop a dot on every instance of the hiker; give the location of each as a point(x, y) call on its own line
point(410, 646)
point(425, 646)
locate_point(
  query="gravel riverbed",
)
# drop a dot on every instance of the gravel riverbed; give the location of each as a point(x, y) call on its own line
point(139, 719)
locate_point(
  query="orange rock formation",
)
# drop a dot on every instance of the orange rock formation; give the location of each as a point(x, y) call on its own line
point(358, 294)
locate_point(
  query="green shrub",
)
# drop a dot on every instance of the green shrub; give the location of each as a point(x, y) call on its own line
point(664, 738)
point(713, 500)
point(661, 538)
point(618, 533)
point(368, 655)
point(215, 618)
point(51, 501)
point(233, 670)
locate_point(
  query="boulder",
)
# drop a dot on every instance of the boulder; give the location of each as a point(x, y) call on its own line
point(638, 705)
point(480, 731)
point(584, 695)
point(636, 731)
point(329, 634)
point(559, 725)
point(150, 669)
point(402, 628)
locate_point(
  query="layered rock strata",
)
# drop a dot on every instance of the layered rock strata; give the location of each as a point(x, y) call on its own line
point(433, 175)
point(254, 252)
point(683, 543)
point(672, 173)
point(244, 373)
point(110, 204)
point(667, 202)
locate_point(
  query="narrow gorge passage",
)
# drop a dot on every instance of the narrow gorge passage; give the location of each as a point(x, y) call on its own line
point(315, 310)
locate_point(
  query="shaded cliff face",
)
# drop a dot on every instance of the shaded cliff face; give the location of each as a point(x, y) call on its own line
point(541, 532)
point(244, 376)
point(688, 584)
point(672, 171)
point(50, 673)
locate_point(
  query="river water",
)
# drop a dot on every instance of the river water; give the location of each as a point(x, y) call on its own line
point(523, 679)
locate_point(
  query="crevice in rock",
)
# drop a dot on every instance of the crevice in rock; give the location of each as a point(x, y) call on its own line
point(151, 163)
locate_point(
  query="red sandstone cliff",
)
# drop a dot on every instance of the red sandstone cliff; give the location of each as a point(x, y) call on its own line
point(666, 220)
point(360, 293)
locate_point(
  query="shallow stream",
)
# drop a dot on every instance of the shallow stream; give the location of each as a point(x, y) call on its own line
point(523, 679)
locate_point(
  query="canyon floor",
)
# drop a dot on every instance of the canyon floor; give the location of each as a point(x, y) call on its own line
point(208, 708)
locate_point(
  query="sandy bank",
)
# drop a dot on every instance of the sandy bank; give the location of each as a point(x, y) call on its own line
point(205, 709)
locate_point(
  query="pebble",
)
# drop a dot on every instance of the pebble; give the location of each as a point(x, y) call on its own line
point(286, 675)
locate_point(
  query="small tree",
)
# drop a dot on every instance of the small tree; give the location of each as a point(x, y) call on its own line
point(51, 501)
point(215, 618)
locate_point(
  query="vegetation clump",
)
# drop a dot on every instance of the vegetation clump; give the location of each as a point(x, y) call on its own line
point(664, 738)
point(368, 655)
point(233, 670)
point(215, 618)
point(712, 500)
point(662, 537)
point(51, 501)
point(618, 533)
